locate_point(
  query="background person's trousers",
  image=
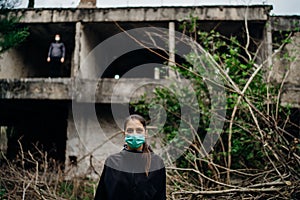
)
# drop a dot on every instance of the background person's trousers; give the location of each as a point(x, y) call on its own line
point(55, 67)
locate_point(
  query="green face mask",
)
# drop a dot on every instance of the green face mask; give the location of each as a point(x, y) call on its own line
point(134, 141)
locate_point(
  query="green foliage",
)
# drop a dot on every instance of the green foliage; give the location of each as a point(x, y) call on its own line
point(232, 56)
point(2, 192)
point(170, 103)
point(11, 35)
point(76, 189)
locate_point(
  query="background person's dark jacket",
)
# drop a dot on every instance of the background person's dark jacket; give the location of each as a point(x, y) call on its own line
point(56, 50)
point(124, 178)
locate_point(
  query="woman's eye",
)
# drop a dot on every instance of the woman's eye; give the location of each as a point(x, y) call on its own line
point(139, 131)
point(129, 130)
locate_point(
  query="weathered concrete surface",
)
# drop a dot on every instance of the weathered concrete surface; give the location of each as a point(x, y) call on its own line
point(285, 23)
point(36, 88)
point(88, 141)
point(85, 91)
point(114, 91)
point(235, 13)
point(12, 65)
point(286, 69)
point(77, 48)
point(291, 96)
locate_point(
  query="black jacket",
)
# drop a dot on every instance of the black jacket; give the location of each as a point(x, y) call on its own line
point(56, 50)
point(124, 178)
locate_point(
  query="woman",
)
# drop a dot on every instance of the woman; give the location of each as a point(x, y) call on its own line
point(135, 173)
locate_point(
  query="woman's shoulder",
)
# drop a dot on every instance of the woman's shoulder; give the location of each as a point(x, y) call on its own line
point(113, 159)
point(157, 161)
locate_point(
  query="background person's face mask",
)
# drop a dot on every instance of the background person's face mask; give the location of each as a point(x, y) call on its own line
point(135, 141)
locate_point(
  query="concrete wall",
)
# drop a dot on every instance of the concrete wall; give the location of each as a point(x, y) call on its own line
point(88, 40)
point(84, 91)
point(286, 71)
point(12, 65)
point(87, 140)
point(210, 13)
point(285, 23)
point(286, 63)
point(36, 88)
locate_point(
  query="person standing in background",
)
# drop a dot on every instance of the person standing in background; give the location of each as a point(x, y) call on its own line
point(56, 56)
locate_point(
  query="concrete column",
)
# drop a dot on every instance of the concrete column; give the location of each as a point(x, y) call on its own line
point(72, 147)
point(75, 66)
point(171, 43)
point(156, 73)
point(172, 73)
point(79, 137)
point(265, 51)
point(3, 140)
point(269, 43)
point(269, 50)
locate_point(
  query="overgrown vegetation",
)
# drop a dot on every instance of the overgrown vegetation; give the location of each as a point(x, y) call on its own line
point(11, 35)
point(35, 176)
point(257, 156)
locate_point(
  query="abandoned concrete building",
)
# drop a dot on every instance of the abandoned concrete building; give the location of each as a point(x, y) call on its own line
point(39, 108)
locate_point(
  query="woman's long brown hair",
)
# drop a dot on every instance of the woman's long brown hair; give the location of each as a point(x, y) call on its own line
point(146, 148)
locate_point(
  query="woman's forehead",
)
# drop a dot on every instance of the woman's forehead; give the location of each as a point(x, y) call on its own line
point(134, 123)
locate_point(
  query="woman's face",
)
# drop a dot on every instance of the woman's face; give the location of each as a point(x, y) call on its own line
point(135, 127)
